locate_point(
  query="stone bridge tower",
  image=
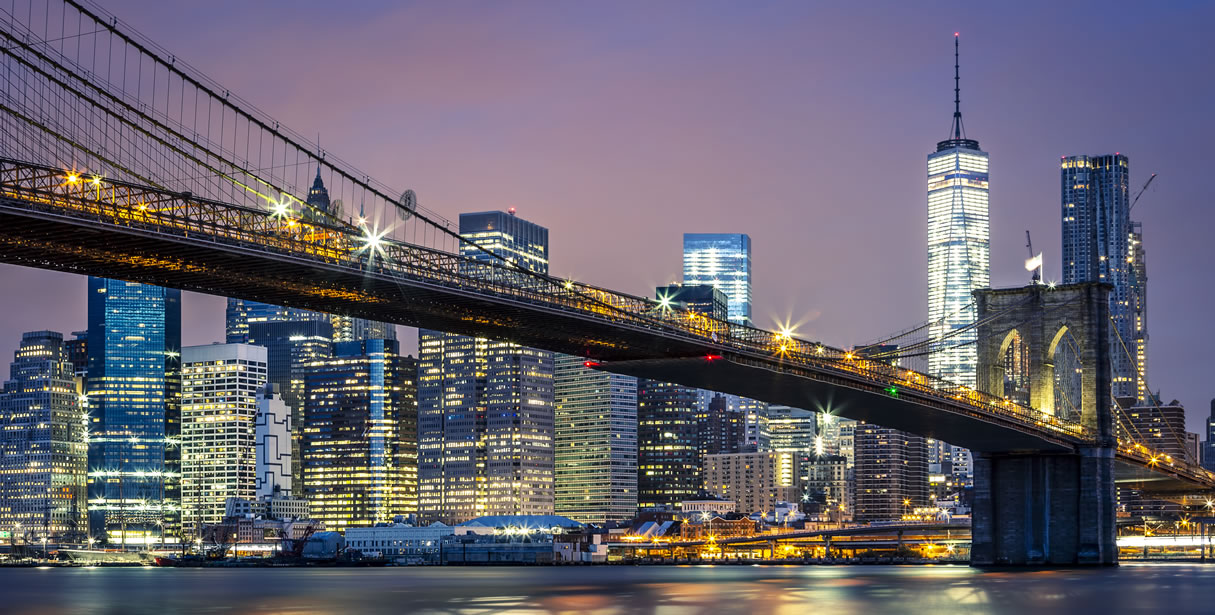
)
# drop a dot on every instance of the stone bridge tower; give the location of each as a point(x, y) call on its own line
point(1032, 507)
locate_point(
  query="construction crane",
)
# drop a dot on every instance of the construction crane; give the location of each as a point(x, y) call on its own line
point(1141, 191)
point(1034, 262)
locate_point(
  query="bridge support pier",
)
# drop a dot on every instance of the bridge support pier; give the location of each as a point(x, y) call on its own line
point(1044, 510)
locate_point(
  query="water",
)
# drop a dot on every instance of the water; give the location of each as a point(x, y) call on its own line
point(1174, 589)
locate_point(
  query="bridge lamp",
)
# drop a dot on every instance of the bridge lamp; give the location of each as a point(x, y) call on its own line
point(96, 180)
point(569, 285)
point(373, 242)
point(664, 301)
point(72, 178)
point(281, 209)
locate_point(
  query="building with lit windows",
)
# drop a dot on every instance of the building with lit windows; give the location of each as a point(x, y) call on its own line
point(792, 430)
point(43, 455)
point(701, 298)
point(721, 260)
point(134, 396)
point(1097, 247)
point(891, 473)
point(359, 441)
point(485, 407)
point(721, 429)
point(959, 252)
point(755, 482)
point(220, 384)
point(669, 459)
point(1208, 446)
point(826, 484)
point(1138, 297)
point(595, 435)
point(1159, 427)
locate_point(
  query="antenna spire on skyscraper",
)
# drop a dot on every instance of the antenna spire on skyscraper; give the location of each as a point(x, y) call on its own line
point(957, 92)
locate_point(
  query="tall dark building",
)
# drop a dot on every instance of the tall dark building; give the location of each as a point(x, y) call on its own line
point(1208, 447)
point(721, 430)
point(360, 435)
point(891, 473)
point(134, 401)
point(669, 460)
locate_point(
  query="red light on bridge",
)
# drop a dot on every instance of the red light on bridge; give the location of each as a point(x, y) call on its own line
point(590, 363)
point(712, 357)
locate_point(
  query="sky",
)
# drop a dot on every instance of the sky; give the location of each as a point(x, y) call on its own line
point(620, 126)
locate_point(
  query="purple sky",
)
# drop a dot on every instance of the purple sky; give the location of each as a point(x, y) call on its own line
point(621, 126)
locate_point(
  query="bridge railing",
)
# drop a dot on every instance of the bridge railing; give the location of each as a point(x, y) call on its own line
point(160, 211)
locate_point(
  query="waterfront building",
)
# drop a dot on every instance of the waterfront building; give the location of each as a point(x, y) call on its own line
point(1097, 239)
point(401, 543)
point(826, 484)
point(721, 260)
point(668, 444)
point(359, 440)
point(755, 482)
point(43, 455)
point(219, 410)
point(705, 508)
point(134, 396)
point(595, 435)
point(891, 473)
point(791, 430)
point(486, 407)
point(272, 437)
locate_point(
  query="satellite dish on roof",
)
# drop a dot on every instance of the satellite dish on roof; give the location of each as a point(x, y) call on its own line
point(407, 205)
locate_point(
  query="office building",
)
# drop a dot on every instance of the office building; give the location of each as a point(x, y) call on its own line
point(220, 384)
point(792, 430)
point(958, 245)
point(134, 396)
point(272, 437)
point(723, 261)
point(1097, 247)
point(1138, 298)
point(755, 482)
point(485, 416)
point(43, 455)
point(595, 443)
point(891, 473)
point(756, 430)
point(359, 442)
point(669, 460)
point(826, 485)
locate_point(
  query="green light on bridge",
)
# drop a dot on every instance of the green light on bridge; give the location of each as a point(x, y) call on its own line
point(894, 392)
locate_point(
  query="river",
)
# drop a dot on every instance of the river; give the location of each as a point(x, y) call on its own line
point(1172, 589)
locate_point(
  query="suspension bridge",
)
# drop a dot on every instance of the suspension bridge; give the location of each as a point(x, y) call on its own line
point(118, 159)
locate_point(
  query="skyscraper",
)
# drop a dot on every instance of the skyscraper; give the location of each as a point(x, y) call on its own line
point(134, 396)
point(1208, 446)
point(793, 430)
point(272, 439)
point(595, 443)
point(485, 419)
point(219, 403)
point(1139, 279)
point(360, 435)
point(958, 245)
point(43, 455)
point(721, 260)
point(1097, 238)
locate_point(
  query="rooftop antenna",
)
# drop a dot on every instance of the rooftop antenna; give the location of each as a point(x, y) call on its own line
point(957, 92)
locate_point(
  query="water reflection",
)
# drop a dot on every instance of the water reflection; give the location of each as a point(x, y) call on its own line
point(656, 590)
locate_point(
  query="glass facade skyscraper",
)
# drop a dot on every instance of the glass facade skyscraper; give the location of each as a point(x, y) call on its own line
point(1097, 247)
point(485, 407)
point(43, 455)
point(595, 443)
point(721, 260)
point(134, 396)
point(360, 435)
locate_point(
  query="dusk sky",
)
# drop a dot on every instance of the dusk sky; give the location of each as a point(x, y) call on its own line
point(621, 126)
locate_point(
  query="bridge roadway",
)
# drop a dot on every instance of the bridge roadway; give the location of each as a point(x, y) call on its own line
point(53, 219)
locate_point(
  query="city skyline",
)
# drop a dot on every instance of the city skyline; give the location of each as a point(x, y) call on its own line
point(843, 210)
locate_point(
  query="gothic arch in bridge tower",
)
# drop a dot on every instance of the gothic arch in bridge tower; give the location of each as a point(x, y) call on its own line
point(1047, 321)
